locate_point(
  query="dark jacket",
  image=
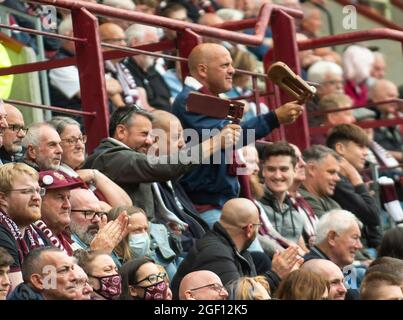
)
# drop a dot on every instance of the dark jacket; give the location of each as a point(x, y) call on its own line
point(172, 193)
point(216, 252)
point(158, 94)
point(211, 183)
point(315, 253)
point(132, 171)
point(357, 200)
point(24, 292)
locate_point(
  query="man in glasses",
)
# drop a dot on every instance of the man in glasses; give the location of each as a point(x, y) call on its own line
point(20, 207)
point(202, 285)
point(89, 227)
point(11, 151)
point(3, 123)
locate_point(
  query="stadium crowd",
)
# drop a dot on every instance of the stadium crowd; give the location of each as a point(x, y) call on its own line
point(133, 221)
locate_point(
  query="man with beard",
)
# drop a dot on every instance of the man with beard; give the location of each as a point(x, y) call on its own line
point(124, 158)
point(42, 147)
point(89, 227)
point(223, 249)
point(332, 273)
point(13, 135)
point(322, 175)
point(20, 206)
point(3, 123)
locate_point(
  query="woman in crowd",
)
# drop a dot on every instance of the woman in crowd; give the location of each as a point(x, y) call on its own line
point(303, 285)
point(73, 145)
point(249, 288)
point(144, 239)
point(142, 279)
point(102, 274)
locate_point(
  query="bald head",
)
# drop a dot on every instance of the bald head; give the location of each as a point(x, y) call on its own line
point(84, 198)
point(169, 131)
point(332, 273)
point(163, 119)
point(210, 19)
point(384, 90)
point(110, 30)
point(321, 266)
point(197, 279)
point(239, 212)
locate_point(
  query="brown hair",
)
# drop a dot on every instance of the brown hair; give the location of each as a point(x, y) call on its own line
point(372, 282)
point(333, 101)
point(302, 285)
point(6, 259)
point(122, 249)
point(242, 60)
point(280, 148)
point(243, 288)
point(345, 133)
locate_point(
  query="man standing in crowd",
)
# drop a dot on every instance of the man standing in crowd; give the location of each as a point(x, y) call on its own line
point(211, 71)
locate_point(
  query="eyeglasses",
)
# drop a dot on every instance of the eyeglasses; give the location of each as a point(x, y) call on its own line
point(17, 128)
point(90, 214)
point(153, 278)
point(73, 140)
point(215, 286)
point(31, 191)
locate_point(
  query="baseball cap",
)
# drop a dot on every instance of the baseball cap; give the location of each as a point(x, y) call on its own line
point(54, 179)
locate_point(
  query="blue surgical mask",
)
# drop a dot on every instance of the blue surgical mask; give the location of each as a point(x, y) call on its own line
point(139, 244)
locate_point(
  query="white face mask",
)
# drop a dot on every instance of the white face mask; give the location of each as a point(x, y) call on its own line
point(139, 244)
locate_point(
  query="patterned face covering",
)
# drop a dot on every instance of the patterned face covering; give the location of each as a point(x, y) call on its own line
point(111, 286)
point(156, 291)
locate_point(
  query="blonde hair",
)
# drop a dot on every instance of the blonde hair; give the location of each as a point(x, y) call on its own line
point(334, 101)
point(10, 171)
point(243, 288)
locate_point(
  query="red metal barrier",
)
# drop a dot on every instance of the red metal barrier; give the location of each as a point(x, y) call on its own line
point(89, 57)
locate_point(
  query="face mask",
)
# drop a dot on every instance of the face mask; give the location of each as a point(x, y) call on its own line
point(139, 244)
point(111, 286)
point(156, 291)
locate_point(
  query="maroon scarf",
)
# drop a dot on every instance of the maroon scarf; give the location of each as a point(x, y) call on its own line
point(59, 241)
point(33, 237)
